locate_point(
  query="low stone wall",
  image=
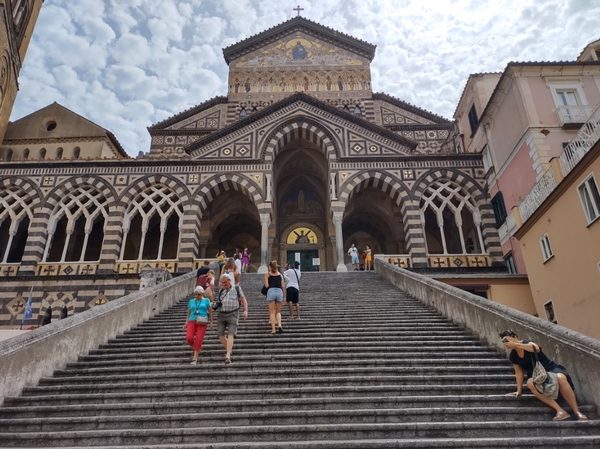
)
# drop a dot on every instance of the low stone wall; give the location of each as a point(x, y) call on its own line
point(26, 358)
point(579, 353)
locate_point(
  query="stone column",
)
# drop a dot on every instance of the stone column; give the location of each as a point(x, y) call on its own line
point(339, 241)
point(265, 221)
point(332, 186)
point(203, 245)
point(268, 179)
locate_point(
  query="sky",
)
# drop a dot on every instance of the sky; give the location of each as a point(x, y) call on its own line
point(127, 64)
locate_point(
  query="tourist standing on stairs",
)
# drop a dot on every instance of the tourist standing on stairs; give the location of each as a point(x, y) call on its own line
point(273, 280)
point(524, 362)
point(293, 289)
point(198, 317)
point(353, 253)
point(368, 257)
point(245, 260)
point(228, 302)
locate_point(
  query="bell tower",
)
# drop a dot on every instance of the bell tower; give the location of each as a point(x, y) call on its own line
point(17, 20)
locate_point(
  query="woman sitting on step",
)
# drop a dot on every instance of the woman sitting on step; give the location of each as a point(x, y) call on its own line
point(524, 361)
point(199, 314)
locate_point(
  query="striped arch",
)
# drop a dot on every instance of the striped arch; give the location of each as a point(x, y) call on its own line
point(220, 184)
point(300, 128)
point(382, 181)
point(70, 185)
point(144, 183)
point(32, 190)
point(468, 183)
point(480, 198)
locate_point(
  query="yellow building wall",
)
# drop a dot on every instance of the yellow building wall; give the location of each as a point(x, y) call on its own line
point(571, 278)
point(511, 291)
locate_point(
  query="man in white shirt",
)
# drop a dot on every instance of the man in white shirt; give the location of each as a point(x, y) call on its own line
point(238, 263)
point(293, 288)
point(353, 253)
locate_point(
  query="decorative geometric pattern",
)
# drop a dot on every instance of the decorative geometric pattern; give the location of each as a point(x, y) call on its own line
point(481, 261)
point(400, 261)
point(97, 301)
point(66, 269)
point(137, 267)
point(393, 115)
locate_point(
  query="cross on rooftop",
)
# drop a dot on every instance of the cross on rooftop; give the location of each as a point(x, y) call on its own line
point(298, 9)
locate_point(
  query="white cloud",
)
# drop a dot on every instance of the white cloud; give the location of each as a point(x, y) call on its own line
point(126, 64)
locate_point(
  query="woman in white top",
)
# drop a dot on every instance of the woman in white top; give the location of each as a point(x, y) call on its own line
point(231, 270)
point(293, 288)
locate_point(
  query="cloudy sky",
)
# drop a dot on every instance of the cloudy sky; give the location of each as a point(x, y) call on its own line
point(126, 64)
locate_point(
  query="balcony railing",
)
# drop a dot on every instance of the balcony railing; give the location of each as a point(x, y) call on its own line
point(585, 139)
point(574, 114)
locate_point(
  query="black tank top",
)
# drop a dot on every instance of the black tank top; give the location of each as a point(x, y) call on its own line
point(274, 281)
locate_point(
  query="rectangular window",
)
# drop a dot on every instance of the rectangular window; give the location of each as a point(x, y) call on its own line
point(499, 209)
point(546, 248)
point(488, 163)
point(590, 198)
point(510, 264)
point(473, 121)
point(567, 97)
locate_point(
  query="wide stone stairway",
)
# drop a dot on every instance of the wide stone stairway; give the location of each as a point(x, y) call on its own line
point(365, 367)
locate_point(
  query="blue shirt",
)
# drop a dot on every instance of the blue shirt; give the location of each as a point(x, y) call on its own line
point(201, 306)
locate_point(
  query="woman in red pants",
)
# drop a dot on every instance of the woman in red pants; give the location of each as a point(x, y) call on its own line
point(199, 316)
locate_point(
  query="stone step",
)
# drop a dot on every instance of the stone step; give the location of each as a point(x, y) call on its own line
point(203, 418)
point(229, 434)
point(315, 403)
point(63, 378)
point(293, 391)
point(563, 442)
point(215, 364)
point(265, 382)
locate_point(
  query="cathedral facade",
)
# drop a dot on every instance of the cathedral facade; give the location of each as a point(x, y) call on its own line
point(299, 160)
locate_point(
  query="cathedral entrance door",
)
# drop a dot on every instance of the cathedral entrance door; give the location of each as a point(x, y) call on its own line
point(309, 259)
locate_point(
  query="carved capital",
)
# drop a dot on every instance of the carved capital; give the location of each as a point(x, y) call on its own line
point(265, 219)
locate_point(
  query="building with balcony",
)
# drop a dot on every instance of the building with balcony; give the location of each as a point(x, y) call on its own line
point(520, 119)
point(559, 232)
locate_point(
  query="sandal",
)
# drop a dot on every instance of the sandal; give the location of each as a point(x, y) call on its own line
point(227, 360)
point(581, 416)
point(561, 416)
point(280, 330)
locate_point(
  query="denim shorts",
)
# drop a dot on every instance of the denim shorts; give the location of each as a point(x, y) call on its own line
point(275, 294)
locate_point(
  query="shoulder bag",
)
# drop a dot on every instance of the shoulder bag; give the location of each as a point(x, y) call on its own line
point(200, 319)
point(546, 383)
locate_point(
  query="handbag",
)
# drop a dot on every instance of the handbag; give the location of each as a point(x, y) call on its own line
point(264, 290)
point(546, 383)
point(202, 320)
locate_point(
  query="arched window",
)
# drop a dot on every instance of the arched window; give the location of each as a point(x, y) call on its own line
point(9, 154)
point(26, 153)
point(15, 217)
point(59, 153)
point(451, 219)
point(76, 227)
point(43, 153)
point(243, 113)
point(357, 111)
point(151, 225)
point(76, 152)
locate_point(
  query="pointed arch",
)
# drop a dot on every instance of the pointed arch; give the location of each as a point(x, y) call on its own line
point(219, 184)
point(16, 215)
point(453, 212)
point(300, 128)
point(385, 182)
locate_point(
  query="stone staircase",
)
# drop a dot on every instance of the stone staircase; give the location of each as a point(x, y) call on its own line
point(365, 367)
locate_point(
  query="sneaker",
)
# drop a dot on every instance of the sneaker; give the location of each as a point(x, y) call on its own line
point(193, 362)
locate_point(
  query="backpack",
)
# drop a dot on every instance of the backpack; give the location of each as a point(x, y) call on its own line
point(203, 281)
